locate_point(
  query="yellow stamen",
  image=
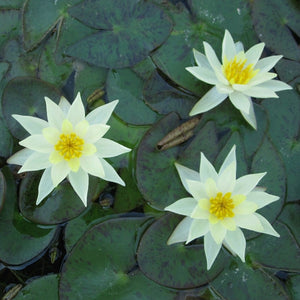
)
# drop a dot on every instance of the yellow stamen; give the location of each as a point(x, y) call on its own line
point(69, 146)
point(222, 206)
point(236, 73)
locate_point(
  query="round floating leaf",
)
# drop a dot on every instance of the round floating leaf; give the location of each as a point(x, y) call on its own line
point(156, 174)
point(175, 266)
point(6, 140)
point(10, 25)
point(25, 96)
point(274, 23)
point(128, 31)
point(38, 288)
point(107, 252)
point(285, 251)
point(2, 190)
point(11, 3)
point(294, 286)
point(20, 239)
point(288, 71)
point(240, 282)
point(126, 86)
point(61, 205)
point(3, 69)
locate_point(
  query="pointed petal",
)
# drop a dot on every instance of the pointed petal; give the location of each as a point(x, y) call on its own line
point(254, 53)
point(181, 232)
point(206, 169)
point(20, 157)
point(239, 47)
point(237, 242)
point(210, 100)
point(245, 208)
point(275, 85)
point(240, 101)
point(64, 105)
point(80, 183)
point(92, 165)
point(201, 60)
point(184, 206)
point(198, 228)
point(226, 180)
point(45, 186)
point(81, 128)
point(51, 135)
point(37, 161)
point(245, 184)
point(260, 92)
point(200, 213)
point(109, 148)
point(204, 74)
point(261, 199)
point(267, 227)
point(228, 47)
point(59, 172)
point(218, 232)
point(110, 173)
point(74, 164)
point(250, 222)
point(95, 132)
point(89, 149)
point(211, 249)
point(230, 158)
point(55, 115)
point(267, 63)
point(76, 112)
point(101, 114)
point(37, 143)
point(258, 80)
point(228, 223)
point(186, 174)
point(250, 118)
point(31, 124)
point(211, 188)
point(196, 189)
point(55, 157)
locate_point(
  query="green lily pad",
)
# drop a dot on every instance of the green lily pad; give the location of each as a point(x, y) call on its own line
point(61, 205)
point(2, 190)
point(6, 140)
point(97, 255)
point(11, 3)
point(10, 24)
point(38, 288)
point(260, 248)
point(128, 31)
point(288, 71)
point(126, 86)
point(3, 69)
point(294, 286)
point(240, 282)
point(154, 166)
point(273, 24)
point(39, 21)
point(25, 96)
point(20, 239)
point(176, 266)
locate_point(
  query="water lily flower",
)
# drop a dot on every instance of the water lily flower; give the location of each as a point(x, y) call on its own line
point(68, 145)
point(241, 75)
point(219, 206)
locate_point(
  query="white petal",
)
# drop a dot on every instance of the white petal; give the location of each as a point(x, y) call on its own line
point(180, 233)
point(250, 118)
point(196, 189)
point(55, 115)
point(31, 124)
point(260, 92)
point(204, 74)
point(37, 161)
point(186, 174)
point(80, 183)
point(37, 143)
point(261, 199)
point(197, 229)
point(237, 242)
point(267, 63)
point(239, 47)
point(245, 184)
point(211, 249)
point(250, 222)
point(20, 157)
point(59, 172)
point(240, 101)
point(210, 100)
point(45, 186)
point(92, 165)
point(64, 105)
point(218, 232)
point(259, 79)
point(184, 206)
point(267, 227)
point(206, 169)
point(201, 60)
point(109, 148)
point(199, 213)
point(110, 173)
point(226, 180)
point(254, 53)
point(76, 112)
point(101, 114)
point(95, 132)
point(211, 188)
point(228, 47)
point(275, 85)
point(230, 158)
point(245, 208)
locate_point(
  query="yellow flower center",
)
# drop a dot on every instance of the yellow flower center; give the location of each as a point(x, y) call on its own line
point(222, 206)
point(236, 73)
point(69, 146)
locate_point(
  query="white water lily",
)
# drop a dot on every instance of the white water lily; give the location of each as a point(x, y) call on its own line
point(241, 75)
point(220, 205)
point(68, 145)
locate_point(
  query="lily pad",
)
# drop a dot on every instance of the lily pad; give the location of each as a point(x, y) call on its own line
point(25, 96)
point(11, 3)
point(120, 279)
point(38, 288)
point(31, 239)
point(126, 86)
point(61, 205)
point(2, 190)
point(6, 140)
point(274, 23)
point(10, 24)
point(128, 31)
point(288, 71)
point(176, 266)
